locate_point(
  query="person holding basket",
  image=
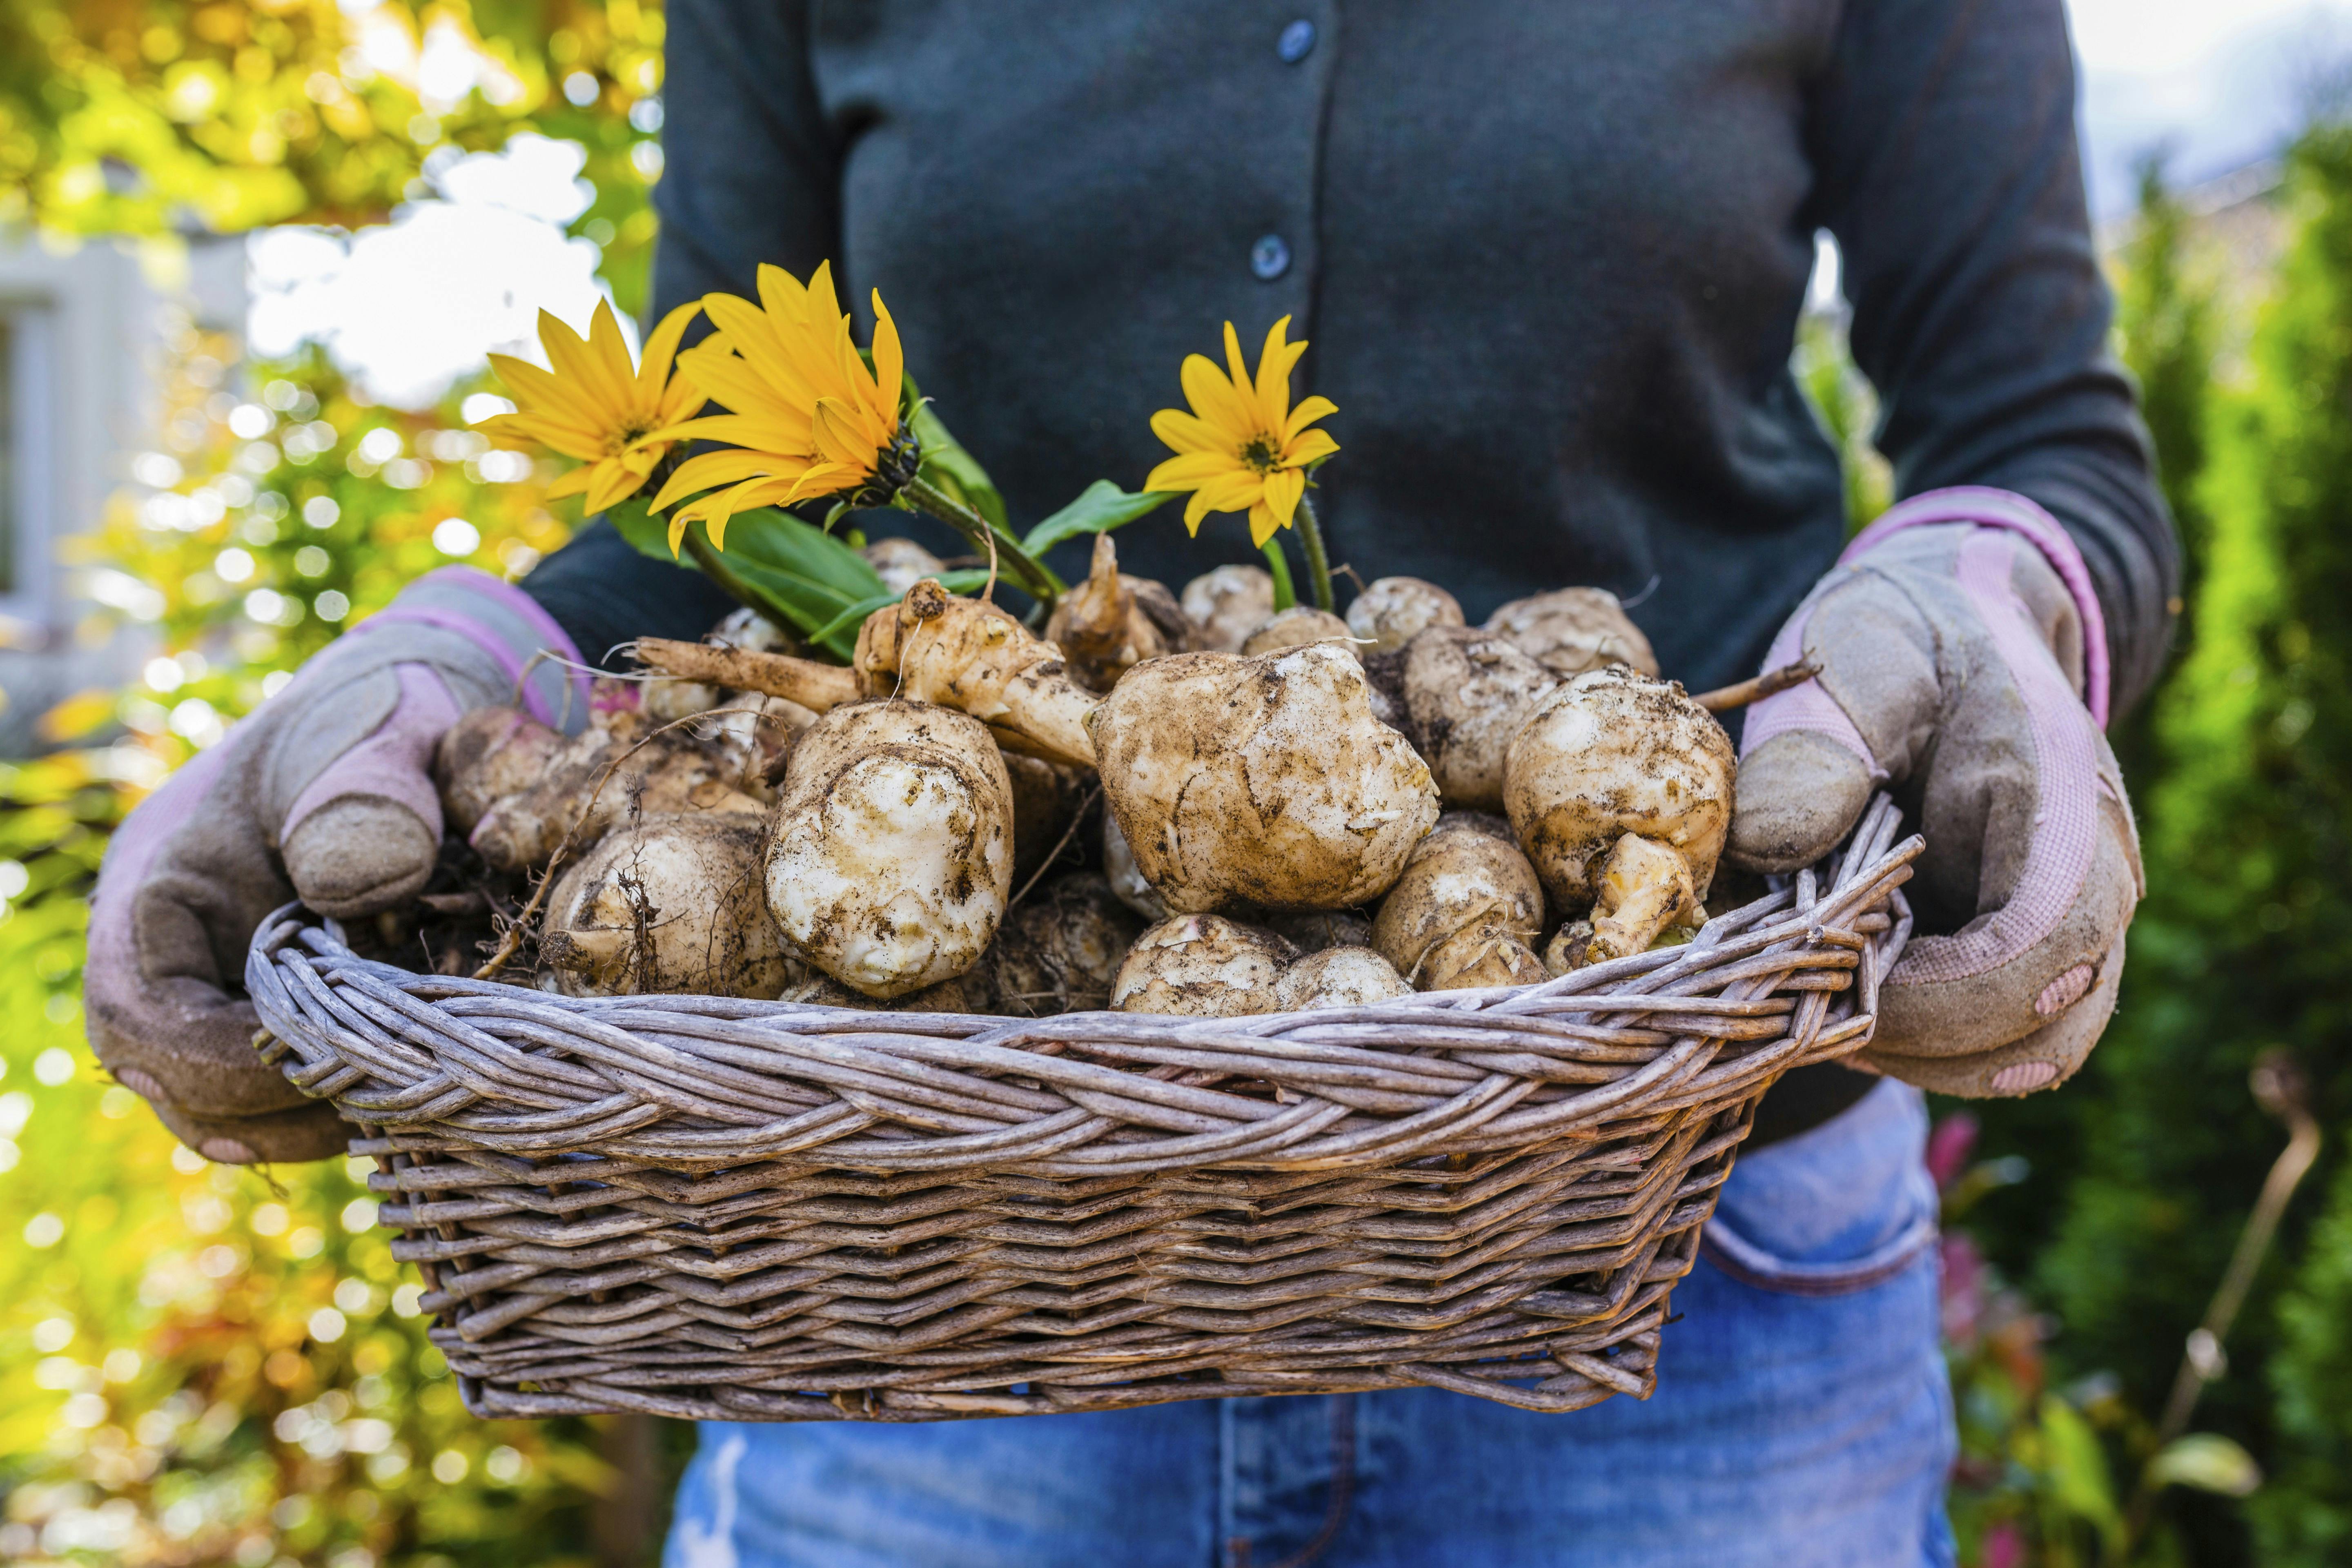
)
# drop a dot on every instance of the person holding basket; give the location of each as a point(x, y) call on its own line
point(1553, 261)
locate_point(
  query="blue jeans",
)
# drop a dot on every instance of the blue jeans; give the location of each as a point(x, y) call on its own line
point(1802, 1420)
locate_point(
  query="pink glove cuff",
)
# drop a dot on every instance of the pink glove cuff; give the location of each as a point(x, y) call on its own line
point(1989, 508)
point(509, 626)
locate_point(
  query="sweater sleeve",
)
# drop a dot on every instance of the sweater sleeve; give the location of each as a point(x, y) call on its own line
point(751, 176)
point(1944, 134)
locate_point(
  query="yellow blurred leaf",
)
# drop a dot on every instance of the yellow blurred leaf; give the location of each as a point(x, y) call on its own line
point(76, 716)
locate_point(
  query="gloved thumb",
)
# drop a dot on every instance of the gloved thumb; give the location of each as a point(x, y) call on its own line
point(363, 834)
point(1811, 755)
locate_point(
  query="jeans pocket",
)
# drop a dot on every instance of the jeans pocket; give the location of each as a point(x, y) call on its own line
point(1836, 1209)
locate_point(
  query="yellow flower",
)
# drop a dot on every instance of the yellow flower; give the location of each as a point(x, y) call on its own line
point(595, 406)
point(1243, 447)
point(808, 417)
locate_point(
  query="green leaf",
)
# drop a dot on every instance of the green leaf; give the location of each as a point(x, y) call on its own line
point(948, 463)
point(962, 580)
point(646, 534)
point(780, 542)
point(2079, 1481)
point(1100, 507)
point(2208, 1462)
point(798, 575)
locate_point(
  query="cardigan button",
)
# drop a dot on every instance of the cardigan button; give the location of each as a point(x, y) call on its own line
point(1269, 258)
point(1298, 41)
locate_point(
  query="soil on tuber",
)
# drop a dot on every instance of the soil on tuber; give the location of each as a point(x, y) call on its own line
point(1260, 779)
point(1571, 630)
point(667, 904)
point(1611, 752)
point(1111, 622)
point(891, 854)
point(1392, 611)
point(1466, 910)
point(1226, 605)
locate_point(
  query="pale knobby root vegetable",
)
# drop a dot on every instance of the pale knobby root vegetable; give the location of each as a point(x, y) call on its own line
point(1111, 623)
point(970, 656)
point(1315, 930)
point(1463, 912)
point(932, 648)
point(748, 628)
point(901, 563)
point(1047, 800)
point(1298, 627)
point(1645, 887)
point(1461, 695)
point(1571, 630)
point(1338, 977)
point(584, 785)
point(663, 701)
point(891, 856)
point(1611, 752)
point(1226, 605)
point(668, 904)
point(1058, 950)
point(1260, 780)
point(1202, 966)
point(951, 995)
point(763, 729)
point(1126, 877)
point(1391, 611)
point(1568, 948)
point(487, 755)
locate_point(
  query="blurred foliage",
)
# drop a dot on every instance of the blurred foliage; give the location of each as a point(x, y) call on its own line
point(2146, 1166)
point(204, 1366)
point(154, 119)
point(1847, 406)
point(200, 1364)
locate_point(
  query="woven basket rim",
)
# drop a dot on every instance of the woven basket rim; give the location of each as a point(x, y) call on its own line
point(416, 1031)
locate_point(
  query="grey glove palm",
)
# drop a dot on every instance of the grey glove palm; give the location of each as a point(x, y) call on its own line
point(325, 794)
point(1958, 639)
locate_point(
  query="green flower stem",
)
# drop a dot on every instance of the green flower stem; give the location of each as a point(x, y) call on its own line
point(1025, 571)
point(1278, 565)
point(1319, 565)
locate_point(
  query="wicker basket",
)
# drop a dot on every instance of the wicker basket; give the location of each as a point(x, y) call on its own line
point(730, 1209)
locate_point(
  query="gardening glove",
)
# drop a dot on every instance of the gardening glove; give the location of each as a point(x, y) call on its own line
point(324, 794)
point(1963, 659)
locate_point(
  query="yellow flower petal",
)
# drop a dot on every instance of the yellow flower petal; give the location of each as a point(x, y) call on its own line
point(1234, 491)
point(1263, 524)
point(661, 349)
point(1212, 398)
point(576, 361)
point(571, 484)
point(889, 361)
point(1187, 433)
point(1283, 488)
point(1190, 470)
point(1194, 511)
point(712, 469)
point(1308, 446)
point(1308, 412)
point(609, 481)
point(1273, 385)
point(838, 437)
point(1235, 369)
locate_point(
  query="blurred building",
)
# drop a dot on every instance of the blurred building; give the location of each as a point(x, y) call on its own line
point(80, 336)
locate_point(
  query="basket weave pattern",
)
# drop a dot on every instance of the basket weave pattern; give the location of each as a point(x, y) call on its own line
point(732, 1209)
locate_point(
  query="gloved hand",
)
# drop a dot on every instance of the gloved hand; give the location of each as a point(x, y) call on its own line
point(324, 793)
point(1964, 661)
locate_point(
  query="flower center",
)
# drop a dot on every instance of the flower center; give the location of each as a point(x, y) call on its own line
point(619, 441)
point(1262, 453)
